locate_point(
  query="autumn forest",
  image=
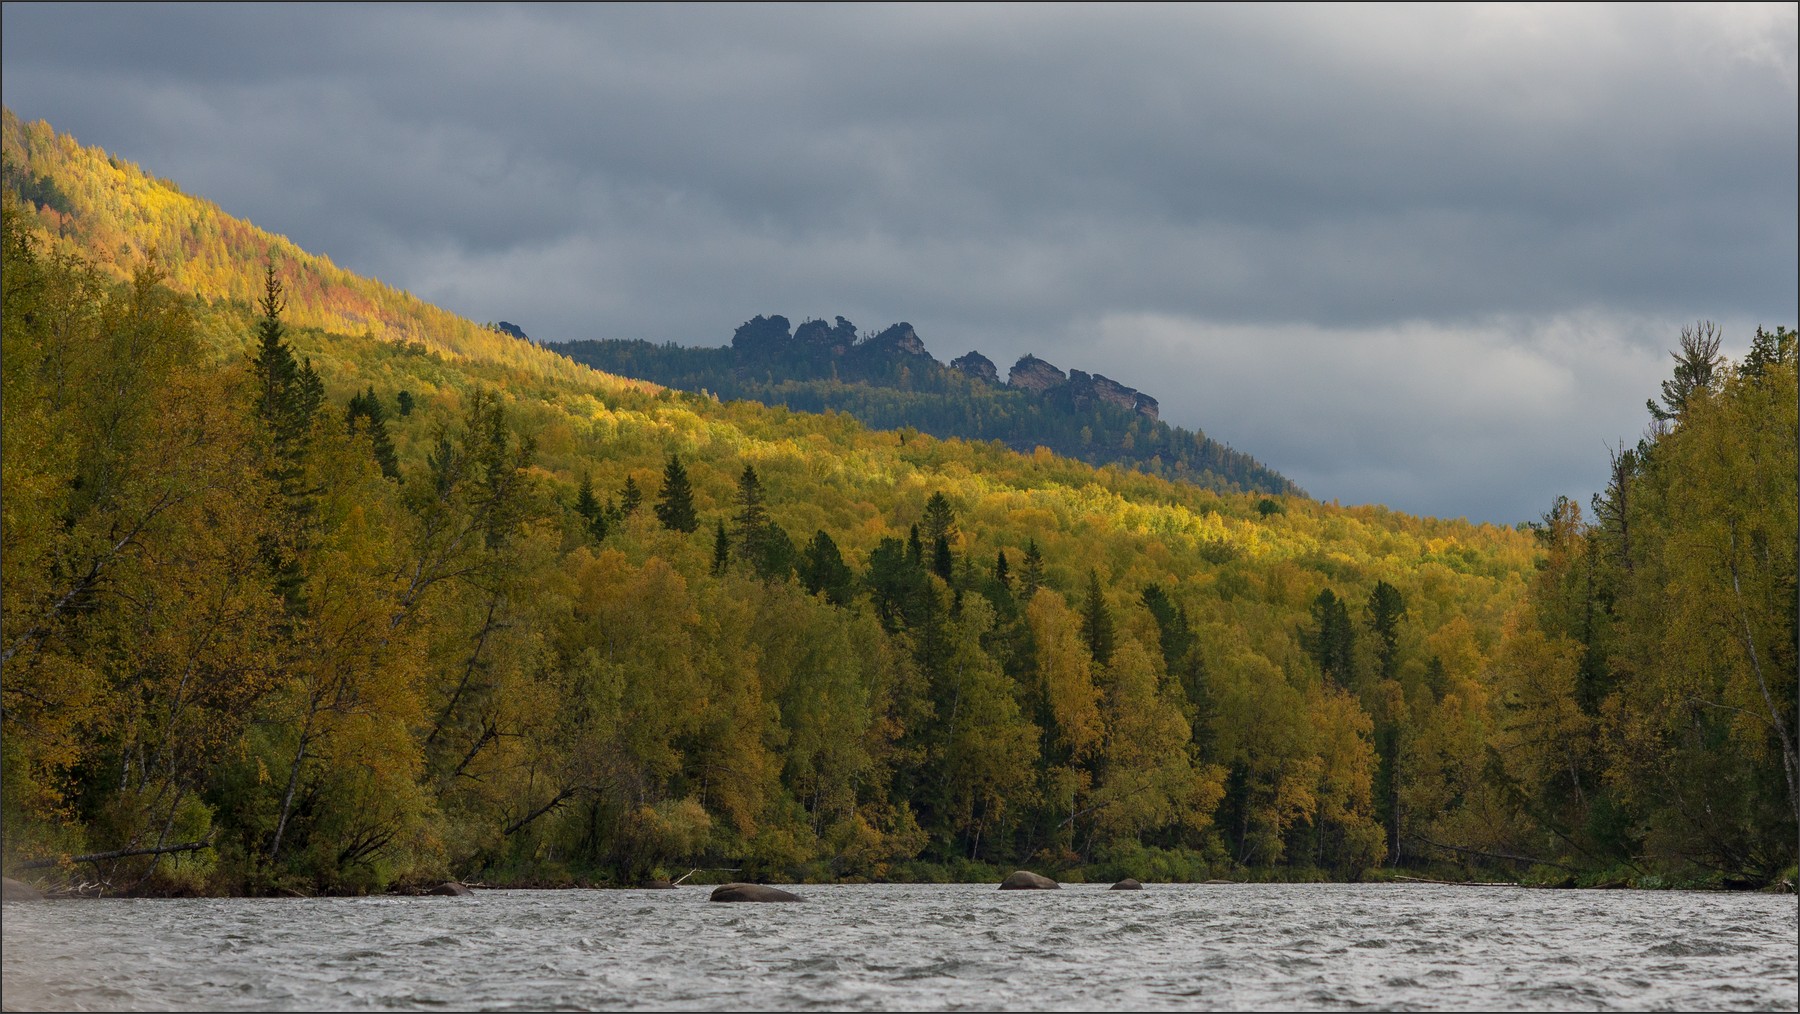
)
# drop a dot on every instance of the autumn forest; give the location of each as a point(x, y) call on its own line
point(311, 587)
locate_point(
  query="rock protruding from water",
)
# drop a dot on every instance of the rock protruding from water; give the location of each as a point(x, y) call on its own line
point(656, 885)
point(15, 890)
point(1128, 884)
point(1024, 880)
point(751, 892)
point(450, 889)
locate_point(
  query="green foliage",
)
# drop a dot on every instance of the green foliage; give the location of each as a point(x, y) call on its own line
point(675, 502)
point(819, 368)
point(350, 681)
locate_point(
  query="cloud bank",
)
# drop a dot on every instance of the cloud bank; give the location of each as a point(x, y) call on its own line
point(1430, 258)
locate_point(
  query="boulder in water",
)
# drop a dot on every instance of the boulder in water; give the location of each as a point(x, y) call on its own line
point(751, 892)
point(14, 890)
point(450, 889)
point(656, 885)
point(1128, 884)
point(1023, 880)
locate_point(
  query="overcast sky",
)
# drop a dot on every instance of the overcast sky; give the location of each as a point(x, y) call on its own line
point(1431, 257)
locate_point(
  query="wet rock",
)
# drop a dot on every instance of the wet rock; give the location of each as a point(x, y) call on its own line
point(656, 885)
point(1128, 884)
point(450, 889)
point(751, 892)
point(14, 890)
point(1023, 880)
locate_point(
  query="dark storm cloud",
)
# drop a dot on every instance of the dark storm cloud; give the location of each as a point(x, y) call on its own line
point(1422, 257)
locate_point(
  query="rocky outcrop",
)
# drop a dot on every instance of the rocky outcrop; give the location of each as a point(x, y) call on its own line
point(751, 892)
point(1088, 389)
point(14, 890)
point(506, 327)
point(450, 889)
point(820, 337)
point(761, 334)
point(1127, 884)
point(1033, 374)
point(978, 366)
point(899, 339)
point(1024, 880)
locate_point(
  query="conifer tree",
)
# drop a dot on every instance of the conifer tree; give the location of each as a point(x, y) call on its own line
point(1002, 576)
point(585, 503)
point(1332, 640)
point(1032, 577)
point(940, 519)
point(823, 570)
point(675, 503)
point(631, 498)
point(1096, 621)
point(750, 527)
point(1384, 611)
point(721, 550)
point(943, 564)
point(367, 406)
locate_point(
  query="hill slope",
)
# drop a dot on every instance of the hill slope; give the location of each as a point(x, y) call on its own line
point(415, 599)
point(888, 380)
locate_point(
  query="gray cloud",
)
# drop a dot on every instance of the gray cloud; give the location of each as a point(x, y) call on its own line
point(1425, 257)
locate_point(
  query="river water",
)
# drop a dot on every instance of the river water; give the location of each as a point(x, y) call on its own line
point(911, 947)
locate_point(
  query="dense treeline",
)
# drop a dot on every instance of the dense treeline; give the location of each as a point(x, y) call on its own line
point(892, 390)
point(1645, 693)
point(355, 612)
point(253, 599)
point(105, 209)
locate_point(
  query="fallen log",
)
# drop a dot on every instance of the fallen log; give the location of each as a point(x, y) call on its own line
point(101, 857)
point(1454, 883)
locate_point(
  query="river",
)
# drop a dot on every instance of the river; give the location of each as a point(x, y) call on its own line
point(909, 947)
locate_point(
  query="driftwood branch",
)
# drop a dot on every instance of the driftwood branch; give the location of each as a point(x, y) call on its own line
point(709, 869)
point(1454, 883)
point(559, 799)
point(1465, 850)
point(101, 857)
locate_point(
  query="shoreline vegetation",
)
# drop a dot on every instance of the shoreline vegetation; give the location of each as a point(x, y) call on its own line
point(365, 597)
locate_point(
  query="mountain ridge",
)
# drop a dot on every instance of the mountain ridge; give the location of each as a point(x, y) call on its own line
point(890, 380)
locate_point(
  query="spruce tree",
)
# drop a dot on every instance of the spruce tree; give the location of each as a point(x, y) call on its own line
point(631, 498)
point(1033, 577)
point(943, 564)
point(368, 407)
point(1384, 611)
point(750, 527)
point(1096, 621)
point(822, 570)
point(940, 519)
point(675, 503)
point(721, 550)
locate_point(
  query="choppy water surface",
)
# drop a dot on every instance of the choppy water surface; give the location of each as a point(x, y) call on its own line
point(899, 947)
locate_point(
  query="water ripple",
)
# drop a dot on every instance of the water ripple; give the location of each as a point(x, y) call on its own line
point(1211, 947)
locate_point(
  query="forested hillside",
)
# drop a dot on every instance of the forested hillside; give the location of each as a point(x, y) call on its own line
point(354, 608)
point(888, 380)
